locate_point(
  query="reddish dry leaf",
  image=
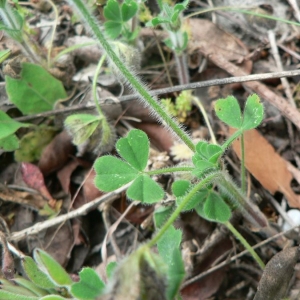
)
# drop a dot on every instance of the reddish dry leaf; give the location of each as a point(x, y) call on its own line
point(90, 191)
point(64, 174)
point(33, 177)
point(56, 154)
point(269, 168)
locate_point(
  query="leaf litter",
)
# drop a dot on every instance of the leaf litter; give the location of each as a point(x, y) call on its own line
point(63, 178)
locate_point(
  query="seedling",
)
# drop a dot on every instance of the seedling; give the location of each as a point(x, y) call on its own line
point(200, 195)
point(171, 20)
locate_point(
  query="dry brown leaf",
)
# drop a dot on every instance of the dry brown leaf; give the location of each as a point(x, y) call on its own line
point(214, 38)
point(268, 167)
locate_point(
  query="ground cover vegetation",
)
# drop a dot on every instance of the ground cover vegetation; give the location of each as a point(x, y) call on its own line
point(111, 192)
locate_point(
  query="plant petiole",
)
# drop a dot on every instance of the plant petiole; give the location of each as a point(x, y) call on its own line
point(170, 170)
point(180, 207)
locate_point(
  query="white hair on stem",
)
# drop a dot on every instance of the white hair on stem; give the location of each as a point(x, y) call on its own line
point(131, 79)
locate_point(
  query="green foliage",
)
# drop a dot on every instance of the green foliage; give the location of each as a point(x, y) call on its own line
point(8, 125)
point(81, 126)
point(4, 54)
point(36, 91)
point(110, 269)
point(33, 143)
point(117, 16)
point(142, 273)
point(228, 110)
point(134, 149)
point(9, 143)
point(113, 173)
point(145, 189)
point(8, 140)
point(214, 208)
point(36, 275)
point(52, 268)
point(89, 287)
point(11, 21)
point(169, 249)
point(169, 18)
point(46, 279)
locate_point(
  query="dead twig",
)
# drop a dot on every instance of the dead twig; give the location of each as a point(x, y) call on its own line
point(38, 227)
point(178, 88)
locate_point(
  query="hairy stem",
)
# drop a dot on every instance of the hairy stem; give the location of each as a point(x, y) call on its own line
point(180, 207)
point(94, 85)
point(132, 80)
point(249, 210)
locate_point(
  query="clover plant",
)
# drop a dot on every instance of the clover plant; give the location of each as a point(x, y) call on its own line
point(117, 19)
point(211, 192)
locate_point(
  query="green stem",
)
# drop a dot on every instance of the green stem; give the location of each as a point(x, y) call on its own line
point(134, 82)
point(243, 170)
point(170, 170)
point(245, 244)
point(180, 207)
point(231, 139)
point(197, 101)
point(73, 48)
point(160, 4)
point(239, 200)
point(94, 86)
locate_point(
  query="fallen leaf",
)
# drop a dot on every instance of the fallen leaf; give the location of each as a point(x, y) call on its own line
point(268, 167)
point(159, 136)
point(34, 201)
point(277, 275)
point(90, 191)
point(56, 154)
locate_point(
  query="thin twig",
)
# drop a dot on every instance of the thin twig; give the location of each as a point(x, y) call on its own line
point(177, 88)
point(233, 258)
point(38, 227)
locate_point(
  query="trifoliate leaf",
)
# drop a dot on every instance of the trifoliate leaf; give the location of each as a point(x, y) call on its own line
point(228, 110)
point(89, 287)
point(81, 126)
point(134, 148)
point(253, 112)
point(112, 173)
point(145, 189)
